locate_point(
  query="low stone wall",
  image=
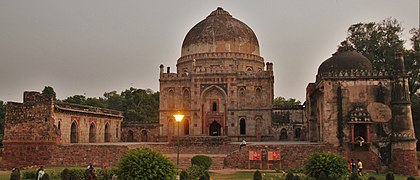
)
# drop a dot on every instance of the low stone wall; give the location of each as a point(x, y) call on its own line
point(291, 155)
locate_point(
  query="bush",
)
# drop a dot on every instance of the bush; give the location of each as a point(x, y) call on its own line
point(65, 174)
point(201, 160)
point(183, 175)
point(145, 163)
point(411, 178)
point(296, 177)
point(289, 176)
point(195, 171)
point(45, 177)
point(15, 174)
point(257, 175)
point(389, 176)
point(330, 164)
point(322, 176)
point(372, 178)
point(354, 176)
point(29, 174)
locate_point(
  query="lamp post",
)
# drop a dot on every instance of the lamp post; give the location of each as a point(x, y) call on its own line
point(178, 118)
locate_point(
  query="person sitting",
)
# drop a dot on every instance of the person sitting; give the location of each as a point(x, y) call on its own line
point(360, 140)
point(243, 144)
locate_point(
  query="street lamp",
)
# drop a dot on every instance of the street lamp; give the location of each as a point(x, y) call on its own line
point(178, 118)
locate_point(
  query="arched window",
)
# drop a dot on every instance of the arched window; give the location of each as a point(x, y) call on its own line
point(130, 136)
point(144, 136)
point(242, 126)
point(283, 134)
point(186, 99)
point(297, 133)
point(214, 108)
point(92, 132)
point(73, 133)
point(171, 98)
point(59, 125)
point(187, 127)
point(258, 91)
point(107, 135)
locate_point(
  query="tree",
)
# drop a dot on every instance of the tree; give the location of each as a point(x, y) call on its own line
point(76, 99)
point(145, 164)
point(283, 101)
point(49, 91)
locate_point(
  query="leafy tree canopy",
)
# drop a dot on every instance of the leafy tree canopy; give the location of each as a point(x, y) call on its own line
point(283, 101)
point(49, 91)
point(137, 104)
point(2, 116)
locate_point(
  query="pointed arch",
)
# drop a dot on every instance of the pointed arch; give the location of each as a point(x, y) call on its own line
point(283, 134)
point(171, 98)
point(187, 127)
point(73, 133)
point(107, 135)
point(144, 135)
point(130, 136)
point(92, 133)
point(186, 98)
point(242, 126)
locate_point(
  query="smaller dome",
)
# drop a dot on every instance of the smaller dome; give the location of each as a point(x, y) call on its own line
point(345, 60)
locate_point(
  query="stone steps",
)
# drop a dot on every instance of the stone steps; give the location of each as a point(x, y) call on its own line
point(185, 160)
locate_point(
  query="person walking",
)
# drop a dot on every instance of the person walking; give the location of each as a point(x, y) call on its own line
point(353, 166)
point(359, 167)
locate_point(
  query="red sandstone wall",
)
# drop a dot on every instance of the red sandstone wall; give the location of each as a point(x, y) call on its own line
point(404, 162)
point(292, 156)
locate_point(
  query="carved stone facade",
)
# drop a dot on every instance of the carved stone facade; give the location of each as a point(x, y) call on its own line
point(222, 85)
point(135, 131)
point(353, 107)
point(289, 123)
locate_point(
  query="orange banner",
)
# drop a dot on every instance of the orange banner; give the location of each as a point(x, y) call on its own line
point(255, 155)
point(273, 156)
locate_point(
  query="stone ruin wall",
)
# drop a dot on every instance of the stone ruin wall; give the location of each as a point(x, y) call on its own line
point(30, 134)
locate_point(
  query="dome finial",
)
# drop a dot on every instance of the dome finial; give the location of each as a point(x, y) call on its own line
point(219, 11)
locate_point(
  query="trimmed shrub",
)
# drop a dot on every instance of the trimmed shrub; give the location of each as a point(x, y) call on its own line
point(183, 175)
point(205, 176)
point(145, 163)
point(332, 165)
point(15, 174)
point(201, 160)
point(322, 176)
point(389, 176)
point(289, 176)
point(65, 174)
point(257, 175)
point(411, 178)
point(372, 178)
point(296, 177)
point(195, 171)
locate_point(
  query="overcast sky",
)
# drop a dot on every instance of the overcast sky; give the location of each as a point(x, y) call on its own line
point(97, 46)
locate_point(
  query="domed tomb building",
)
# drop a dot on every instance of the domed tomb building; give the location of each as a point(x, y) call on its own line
point(364, 112)
point(222, 85)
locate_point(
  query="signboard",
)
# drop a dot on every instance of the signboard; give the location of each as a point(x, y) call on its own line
point(255, 155)
point(273, 156)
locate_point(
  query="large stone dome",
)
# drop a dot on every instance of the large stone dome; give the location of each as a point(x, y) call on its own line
point(344, 60)
point(220, 32)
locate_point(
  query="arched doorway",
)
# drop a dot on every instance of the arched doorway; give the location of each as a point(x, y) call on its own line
point(92, 133)
point(73, 133)
point(107, 135)
point(144, 136)
point(360, 130)
point(242, 126)
point(130, 136)
point(215, 129)
point(283, 134)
